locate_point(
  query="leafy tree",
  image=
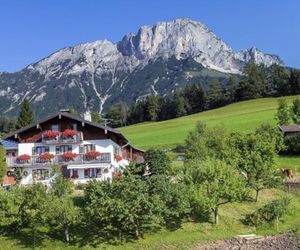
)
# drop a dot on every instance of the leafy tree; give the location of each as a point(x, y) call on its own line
point(257, 161)
point(62, 214)
point(118, 113)
point(123, 207)
point(10, 205)
point(283, 112)
point(272, 135)
point(96, 117)
point(60, 186)
point(215, 183)
point(3, 165)
point(295, 111)
point(26, 115)
point(272, 211)
point(156, 161)
point(206, 142)
point(33, 208)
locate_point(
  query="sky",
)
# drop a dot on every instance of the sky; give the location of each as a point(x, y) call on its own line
point(33, 29)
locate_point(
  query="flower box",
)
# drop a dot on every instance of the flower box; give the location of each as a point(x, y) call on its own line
point(69, 156)
point(118, 157)
point(69, 133)
point(92, 154)
point(50, 134)
point(46, 156)
point(24, 157)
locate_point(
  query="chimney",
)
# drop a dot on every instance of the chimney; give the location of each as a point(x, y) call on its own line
point(87, 116)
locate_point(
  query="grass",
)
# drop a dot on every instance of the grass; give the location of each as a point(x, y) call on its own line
point(242, 116)
point(190, 234)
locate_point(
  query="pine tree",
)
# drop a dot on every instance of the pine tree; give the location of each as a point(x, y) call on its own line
point(279, 80)
point(179, 105)
point(294, 81)
point(215, 95)
point(26, 115)
point(152, 108)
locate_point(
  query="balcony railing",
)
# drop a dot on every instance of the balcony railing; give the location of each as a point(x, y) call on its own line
point(58, 159)
point(63, 139)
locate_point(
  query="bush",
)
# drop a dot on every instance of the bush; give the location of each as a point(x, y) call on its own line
point(270, 212)
point(292, 144)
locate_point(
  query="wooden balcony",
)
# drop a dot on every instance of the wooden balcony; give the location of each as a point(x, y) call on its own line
point(35, 161)
point(61, 139)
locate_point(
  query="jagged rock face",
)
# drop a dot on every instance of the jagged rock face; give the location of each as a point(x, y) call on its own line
point(158, 59)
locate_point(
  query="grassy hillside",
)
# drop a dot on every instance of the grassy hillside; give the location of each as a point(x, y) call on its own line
point(242, 116)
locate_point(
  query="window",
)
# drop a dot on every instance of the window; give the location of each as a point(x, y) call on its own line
point(63, 149)
point(55, 127)
point(40, 174)
point(117, 151)
point(89, 148)
point(39, 150)
point(91, 173)
point(74, 126)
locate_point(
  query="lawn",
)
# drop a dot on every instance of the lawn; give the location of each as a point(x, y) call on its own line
point(242, 116)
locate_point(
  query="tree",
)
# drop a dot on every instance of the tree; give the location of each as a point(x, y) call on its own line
point(272, 135)
point(215, 95)
point(96, 117)
point(118, 114)
point(10, 204)
point(26, 115)
point(136, 112)
point(152, 108)
point(254, 82)
point(215, 183)
point(33, 208)
point(62, 214)
point(279, 80)
point(3, 165)
point(294, 81)
point(156, 161)
point(257, 162)
point(60, 186)
point(231, 88)
point(7, 124)
point(283, 112)
point(295, 111)
point(195, 98)
point(179, 104)
point(206, 142)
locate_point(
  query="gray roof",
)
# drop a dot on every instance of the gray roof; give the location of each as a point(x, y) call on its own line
point(290, 128)
point(8, 144)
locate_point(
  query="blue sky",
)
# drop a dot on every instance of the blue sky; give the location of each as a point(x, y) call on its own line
point(33, 29)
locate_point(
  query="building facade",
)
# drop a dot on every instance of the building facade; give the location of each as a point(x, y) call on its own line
point(84, 150)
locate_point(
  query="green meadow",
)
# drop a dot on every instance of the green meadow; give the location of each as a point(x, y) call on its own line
point(241, 116)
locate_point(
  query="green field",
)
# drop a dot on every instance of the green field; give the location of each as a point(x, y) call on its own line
point(242, 116)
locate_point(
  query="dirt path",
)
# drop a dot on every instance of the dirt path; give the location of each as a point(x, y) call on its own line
point(279, 242)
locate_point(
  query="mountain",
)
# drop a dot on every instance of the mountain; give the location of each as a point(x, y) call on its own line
point(157, 59)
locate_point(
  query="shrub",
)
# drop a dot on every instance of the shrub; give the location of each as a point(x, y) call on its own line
point(270, 212)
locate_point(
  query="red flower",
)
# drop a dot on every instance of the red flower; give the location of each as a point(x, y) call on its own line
point(118, 157)
point(69, 155)
point(69, 132)
point(24, 157)
point(46, 156)
point(51, 134)
point(92, 154)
